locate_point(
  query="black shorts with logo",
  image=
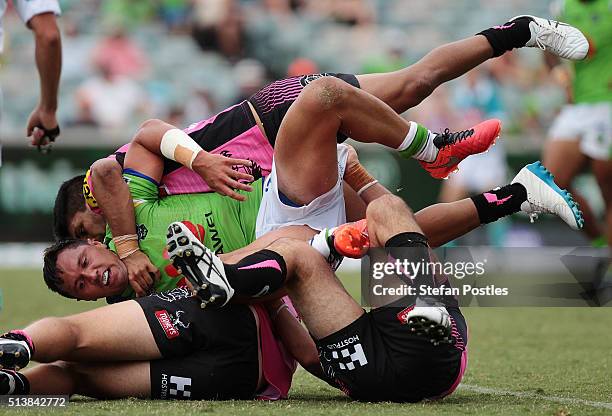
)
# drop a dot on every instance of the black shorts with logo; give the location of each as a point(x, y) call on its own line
point(376, 358)
point(207, 354)
point(273, 101)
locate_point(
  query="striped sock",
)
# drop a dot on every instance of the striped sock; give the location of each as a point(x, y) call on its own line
point(13, 383)
point(418, 144)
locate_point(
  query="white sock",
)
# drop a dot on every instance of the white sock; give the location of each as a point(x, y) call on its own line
point(409, 137)
point(319, 242)
point(418, 144)
point(429, 152)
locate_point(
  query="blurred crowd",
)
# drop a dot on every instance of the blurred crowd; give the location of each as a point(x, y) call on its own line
point(184, 60)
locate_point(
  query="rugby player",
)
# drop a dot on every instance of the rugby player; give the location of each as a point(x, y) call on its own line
point(165, 346)
point(162, 346)
point(582, 132)
point(90, 271)
point(249, 130)
point(380, 355)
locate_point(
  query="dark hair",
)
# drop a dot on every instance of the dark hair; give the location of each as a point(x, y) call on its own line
point(50, 271)
point(68, 202)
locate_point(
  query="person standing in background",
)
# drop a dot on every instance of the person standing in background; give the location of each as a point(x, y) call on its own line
point(582, 132)
point(40, 17)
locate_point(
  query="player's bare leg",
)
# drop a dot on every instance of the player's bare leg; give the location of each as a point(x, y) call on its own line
point(305, 150)
point(564, 159)
point(602, 169)
point(306, 140)
point(110, 333)
point(407, 87)
point(323, 303)
point(99, 380)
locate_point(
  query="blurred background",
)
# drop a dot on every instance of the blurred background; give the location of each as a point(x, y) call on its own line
point(185, 60)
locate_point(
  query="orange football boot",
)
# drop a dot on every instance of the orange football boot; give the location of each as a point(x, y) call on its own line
point(456, 146)
point(351, 239)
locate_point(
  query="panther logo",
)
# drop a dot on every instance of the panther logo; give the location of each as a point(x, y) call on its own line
point(307, 79)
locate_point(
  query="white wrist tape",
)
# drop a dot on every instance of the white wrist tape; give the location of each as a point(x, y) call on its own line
point(366, 187)
point(178, 146)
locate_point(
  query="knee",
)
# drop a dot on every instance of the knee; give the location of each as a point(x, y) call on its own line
point(378, 210)
point(326, 93)
point(297, 254)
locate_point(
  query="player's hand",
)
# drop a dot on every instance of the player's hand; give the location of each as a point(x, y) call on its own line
point(218, 172)
point(40, 118)
point(141, 273)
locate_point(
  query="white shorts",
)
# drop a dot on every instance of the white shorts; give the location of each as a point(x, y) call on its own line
point(325, 211)
point(589, 123)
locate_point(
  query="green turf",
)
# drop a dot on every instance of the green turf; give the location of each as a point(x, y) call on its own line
point(548, 352)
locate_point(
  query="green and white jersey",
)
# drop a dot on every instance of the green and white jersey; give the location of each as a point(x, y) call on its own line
point(228, 224)
point(593, 75)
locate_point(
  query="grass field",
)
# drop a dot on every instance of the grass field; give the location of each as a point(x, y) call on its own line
point(547, 361)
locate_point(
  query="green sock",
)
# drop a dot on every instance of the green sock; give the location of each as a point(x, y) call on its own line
point(415, 141)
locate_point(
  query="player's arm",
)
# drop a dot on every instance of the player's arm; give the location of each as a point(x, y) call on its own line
point(166, 140)
point(115, 200)
point(295, 337)
point(49, 65)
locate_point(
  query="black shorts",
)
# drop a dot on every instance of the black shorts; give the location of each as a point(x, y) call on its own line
point(273, 101)
point(376, 358)
point(207, 354)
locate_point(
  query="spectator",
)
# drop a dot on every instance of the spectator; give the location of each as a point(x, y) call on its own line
point(302, 66)
point(109, 101)
point(219, 26)
point(175, 15)
point(119, 55)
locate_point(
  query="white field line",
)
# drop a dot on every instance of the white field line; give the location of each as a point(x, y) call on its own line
point(528, 395)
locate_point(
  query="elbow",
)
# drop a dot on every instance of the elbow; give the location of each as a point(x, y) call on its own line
point(151, 123)
point(147, 129)
point(105, 169)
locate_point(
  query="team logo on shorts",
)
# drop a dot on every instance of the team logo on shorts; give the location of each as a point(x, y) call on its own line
point(179, 387)
point(174, 294)
point(176, 320)
point(307, 79)
point(348, 359)
point(347, 353)
point(165, 320)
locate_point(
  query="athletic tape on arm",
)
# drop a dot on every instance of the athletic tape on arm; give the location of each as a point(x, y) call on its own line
point(178, 146)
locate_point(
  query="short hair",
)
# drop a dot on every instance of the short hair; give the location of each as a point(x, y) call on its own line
point(50, 270)
point(68, 202)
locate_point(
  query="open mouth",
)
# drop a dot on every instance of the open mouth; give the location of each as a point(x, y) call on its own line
point(106, 277)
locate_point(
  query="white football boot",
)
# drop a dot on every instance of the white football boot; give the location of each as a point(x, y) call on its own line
point(558, 38)
point(431, 322)
point(203, 269)
point(544, 196)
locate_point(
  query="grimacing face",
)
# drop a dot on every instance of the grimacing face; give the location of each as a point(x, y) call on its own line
point(91, 271)
point(87, 224)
